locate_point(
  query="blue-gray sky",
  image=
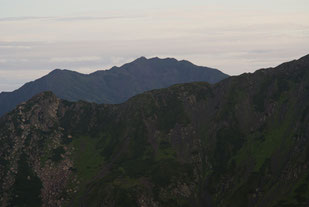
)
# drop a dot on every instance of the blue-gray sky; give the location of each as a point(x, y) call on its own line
point(234, 36)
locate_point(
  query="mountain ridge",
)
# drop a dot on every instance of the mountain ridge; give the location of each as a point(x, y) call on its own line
point(241, 142)
point(112, 86)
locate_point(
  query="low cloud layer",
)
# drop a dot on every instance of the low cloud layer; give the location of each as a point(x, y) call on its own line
point(234, 41)
point(69, 18)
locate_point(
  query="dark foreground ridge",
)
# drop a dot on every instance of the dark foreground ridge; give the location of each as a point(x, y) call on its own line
point(112, 86)
point(241, 142)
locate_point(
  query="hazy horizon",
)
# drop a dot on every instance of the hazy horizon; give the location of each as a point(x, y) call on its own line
point(232, 36)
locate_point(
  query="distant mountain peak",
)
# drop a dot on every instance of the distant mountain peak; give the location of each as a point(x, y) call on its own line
point(58, 70)
point(154, 59)
point(112, 86)
point(141, 58)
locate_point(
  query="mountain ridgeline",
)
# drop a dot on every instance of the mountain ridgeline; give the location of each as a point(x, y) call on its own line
point(242, 142)
point(112, 86)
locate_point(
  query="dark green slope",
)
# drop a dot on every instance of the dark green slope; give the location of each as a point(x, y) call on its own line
point(112, 86)
point(241, 142)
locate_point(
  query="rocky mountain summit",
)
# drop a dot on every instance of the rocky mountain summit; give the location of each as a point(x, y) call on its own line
point(112, 86)
point(240, 142)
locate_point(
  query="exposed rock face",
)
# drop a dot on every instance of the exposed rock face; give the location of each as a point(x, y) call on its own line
point(241, 142)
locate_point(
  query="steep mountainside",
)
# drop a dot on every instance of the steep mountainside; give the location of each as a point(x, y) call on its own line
point(241, 142)
point(112, 86)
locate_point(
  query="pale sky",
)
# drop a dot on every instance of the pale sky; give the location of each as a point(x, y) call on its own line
point(234, 36)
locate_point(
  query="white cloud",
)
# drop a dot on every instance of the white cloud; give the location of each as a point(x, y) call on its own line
point(14, 47)
point(65, 18)
point(74, 59)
